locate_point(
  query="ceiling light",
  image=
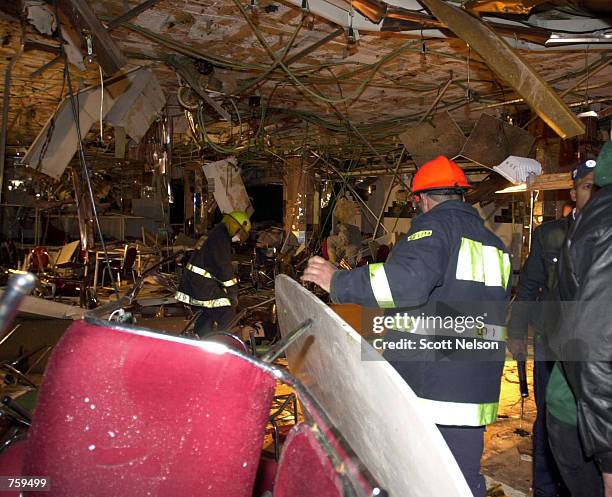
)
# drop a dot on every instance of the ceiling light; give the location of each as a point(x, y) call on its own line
point(570, 39)
point(589, 113)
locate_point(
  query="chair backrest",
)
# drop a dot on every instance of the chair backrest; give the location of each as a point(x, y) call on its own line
point(39, 260)
point(130, 258)
point(125, 412)
point(304, 469)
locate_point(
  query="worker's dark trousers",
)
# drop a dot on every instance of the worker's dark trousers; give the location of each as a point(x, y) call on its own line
point(579, 474)
point(466, 444)
point(214, 319)
point(546, 477)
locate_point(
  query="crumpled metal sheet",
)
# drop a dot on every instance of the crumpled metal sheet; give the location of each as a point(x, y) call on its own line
point(493, 140)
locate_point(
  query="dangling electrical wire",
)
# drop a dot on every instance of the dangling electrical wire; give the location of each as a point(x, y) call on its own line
point(75, 115)
point(101, 105)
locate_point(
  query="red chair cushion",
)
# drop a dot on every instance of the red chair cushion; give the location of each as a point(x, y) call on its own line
point(304, 470)
point(11, 462)
point(133, 413)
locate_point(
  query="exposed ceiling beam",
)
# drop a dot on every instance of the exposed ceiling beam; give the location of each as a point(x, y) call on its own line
point(311, 48)
point(510, 67)
point(109, 54)
point(130, 14)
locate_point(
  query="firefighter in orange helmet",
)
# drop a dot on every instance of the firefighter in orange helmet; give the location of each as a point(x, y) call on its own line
point(448, 257)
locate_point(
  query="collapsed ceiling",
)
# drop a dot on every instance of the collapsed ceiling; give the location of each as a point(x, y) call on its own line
point(291, 77)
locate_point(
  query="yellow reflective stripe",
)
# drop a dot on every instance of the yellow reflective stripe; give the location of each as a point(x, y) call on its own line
point(460, 413)
point(419, 234)
point(183, 297)
point(206, 274)
point(470, 262)
point(380, 285)
point(483, 264)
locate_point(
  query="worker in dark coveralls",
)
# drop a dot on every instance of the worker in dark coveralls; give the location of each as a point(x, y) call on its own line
point(208, 284)
point(447, 256)
point(538, 284)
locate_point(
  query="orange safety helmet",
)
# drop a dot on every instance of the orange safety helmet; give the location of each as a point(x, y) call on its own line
point(439, 174)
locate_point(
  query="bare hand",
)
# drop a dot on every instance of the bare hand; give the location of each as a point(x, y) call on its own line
point(319, 271)
point(607, 478)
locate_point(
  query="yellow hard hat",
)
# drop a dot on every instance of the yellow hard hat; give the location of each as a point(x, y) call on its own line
point(237, 220)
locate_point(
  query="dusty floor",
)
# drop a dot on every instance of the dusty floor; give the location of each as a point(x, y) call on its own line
point(507, 456)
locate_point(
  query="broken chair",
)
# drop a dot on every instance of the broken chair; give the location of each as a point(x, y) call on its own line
point(130, 425)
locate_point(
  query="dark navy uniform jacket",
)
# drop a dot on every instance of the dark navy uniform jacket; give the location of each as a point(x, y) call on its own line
point(208, 279)
point(448, 257)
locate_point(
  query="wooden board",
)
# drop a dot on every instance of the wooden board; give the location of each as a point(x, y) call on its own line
point(366, 399)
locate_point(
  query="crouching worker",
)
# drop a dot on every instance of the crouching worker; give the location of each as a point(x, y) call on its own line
point(208, 284)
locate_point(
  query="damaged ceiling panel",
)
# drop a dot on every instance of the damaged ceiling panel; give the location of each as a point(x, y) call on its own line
point(493, 140)
point(383, 84)
point(131, 101)
point(440, 136)
point(137, 108)
point(57, 143)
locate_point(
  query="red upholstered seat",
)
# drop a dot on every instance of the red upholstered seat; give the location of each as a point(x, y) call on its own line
point(134, 413)
point(11, 462)
point(304, 469)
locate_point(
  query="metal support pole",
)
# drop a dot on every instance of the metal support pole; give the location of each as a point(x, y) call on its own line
point(531, 202)
point(279, 347)
point(5, 112)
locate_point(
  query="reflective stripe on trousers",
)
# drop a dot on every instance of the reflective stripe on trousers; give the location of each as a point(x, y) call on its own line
point(484, 332)
point(221, 302)
point(460, 413)
point(206, 274)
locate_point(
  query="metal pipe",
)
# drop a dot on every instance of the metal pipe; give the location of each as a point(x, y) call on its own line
point(436, 100)
point(17, 288)
point(5, 110)
point(279, 347)
point(139, 9)
point(531, 202)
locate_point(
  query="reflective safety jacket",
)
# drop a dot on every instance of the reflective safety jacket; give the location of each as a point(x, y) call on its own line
point(448, 256)
point(208, 280)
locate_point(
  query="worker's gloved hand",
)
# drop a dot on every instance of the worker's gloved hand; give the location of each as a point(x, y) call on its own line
point(518, 348)
point(319, 271)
